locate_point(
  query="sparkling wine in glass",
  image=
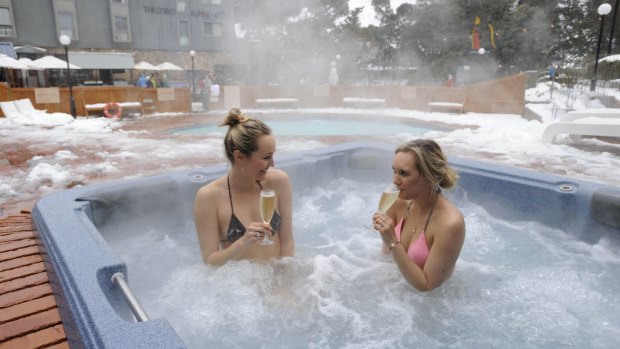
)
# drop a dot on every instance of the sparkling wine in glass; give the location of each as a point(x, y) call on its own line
point(267, 207)
point(388, 197)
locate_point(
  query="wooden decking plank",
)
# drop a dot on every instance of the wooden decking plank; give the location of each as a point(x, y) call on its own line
point(27, 308)
point(12, 228)
point(20, 253)
point(29, 324)
point(17, 236)
point(29, 315)
point(16, 245)
point(20, 262)
point(38, 339)
point(62, 345)
point(24, 282)
point(11, 298)
point(22, 272)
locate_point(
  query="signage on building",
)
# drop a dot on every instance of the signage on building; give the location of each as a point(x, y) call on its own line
point(49, 95)
point(169, 11)
point(165, 94)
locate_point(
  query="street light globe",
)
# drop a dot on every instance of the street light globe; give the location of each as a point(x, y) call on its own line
point(192, 53)
point(65, 40)
point(604, 9)
point(481, 51)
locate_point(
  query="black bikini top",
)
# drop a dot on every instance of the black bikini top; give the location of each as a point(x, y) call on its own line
point(236, 229)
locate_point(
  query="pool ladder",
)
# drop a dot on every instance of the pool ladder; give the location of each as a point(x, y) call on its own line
point(119, 280)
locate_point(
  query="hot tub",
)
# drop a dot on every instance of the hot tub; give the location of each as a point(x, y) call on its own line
point(539, 267)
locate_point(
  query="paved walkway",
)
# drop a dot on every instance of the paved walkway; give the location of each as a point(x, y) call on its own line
point(29, 315)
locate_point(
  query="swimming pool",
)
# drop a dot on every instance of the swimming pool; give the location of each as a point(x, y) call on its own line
point(320, 125)
point(539, 267)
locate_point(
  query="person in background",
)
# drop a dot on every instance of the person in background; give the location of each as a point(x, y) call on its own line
point(142, 81)
point(161, 80)
point(450, 81)
point(152, 81)
point(226, 211)
point(423, 230)
point(206, 91)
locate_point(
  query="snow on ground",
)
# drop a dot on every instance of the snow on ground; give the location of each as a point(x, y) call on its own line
point(89, 150)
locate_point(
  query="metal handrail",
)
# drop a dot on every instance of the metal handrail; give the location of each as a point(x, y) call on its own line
point(119, 280)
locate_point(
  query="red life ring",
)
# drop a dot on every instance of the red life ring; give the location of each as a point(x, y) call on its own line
point(115, 107)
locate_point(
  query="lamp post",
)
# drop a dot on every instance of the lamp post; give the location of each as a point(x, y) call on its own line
point(192, 53)
point(613, 25)
point(603, 10)
point(65, 40)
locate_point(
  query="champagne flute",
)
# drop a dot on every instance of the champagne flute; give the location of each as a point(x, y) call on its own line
point(267, 207)
point(388, 197)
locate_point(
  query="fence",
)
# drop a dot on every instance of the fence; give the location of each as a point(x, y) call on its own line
point(505, 95)
point(181, 101)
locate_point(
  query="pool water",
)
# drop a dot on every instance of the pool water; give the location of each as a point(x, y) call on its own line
point(322, 127)
point(516, 285)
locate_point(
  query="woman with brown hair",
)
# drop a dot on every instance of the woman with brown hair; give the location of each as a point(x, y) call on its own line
point(422, 230)
point(226, 211)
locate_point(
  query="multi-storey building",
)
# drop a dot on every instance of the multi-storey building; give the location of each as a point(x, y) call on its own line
point(151, 30)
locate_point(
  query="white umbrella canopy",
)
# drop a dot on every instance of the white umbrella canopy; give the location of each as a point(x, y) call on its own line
point(9, 62)
point(146, 66)
point(51, 62)
point(28, 63)
point(168, 66)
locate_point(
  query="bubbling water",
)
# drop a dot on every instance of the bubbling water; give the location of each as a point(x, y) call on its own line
point(516, 285)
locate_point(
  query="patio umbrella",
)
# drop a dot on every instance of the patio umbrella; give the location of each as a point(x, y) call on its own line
point(146, 66)
point(168, 66)
point(51, 62)
point(8, 62)
point(29, 65)
point(30, 49)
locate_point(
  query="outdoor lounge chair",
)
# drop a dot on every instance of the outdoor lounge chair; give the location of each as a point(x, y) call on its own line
point(12, 114)
point(590, 126)
point(584, 113)
point(25, 107)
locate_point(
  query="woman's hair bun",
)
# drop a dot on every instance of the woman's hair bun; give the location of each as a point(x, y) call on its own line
point(234, 117)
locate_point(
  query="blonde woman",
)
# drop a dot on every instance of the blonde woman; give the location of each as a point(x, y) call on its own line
point(226, 211)
point(423, 230)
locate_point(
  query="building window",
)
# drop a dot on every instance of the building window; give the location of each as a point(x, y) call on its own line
point(6, 25)
point(212, 29)
point(65, 24)
point(183, 33)
point(211, 2)
point(120, 1)
point(181, 6)
point(121, 29)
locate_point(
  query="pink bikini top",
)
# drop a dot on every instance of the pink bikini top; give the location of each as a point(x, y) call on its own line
point(418, 250)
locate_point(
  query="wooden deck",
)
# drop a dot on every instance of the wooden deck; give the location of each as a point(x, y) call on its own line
point(29, 315)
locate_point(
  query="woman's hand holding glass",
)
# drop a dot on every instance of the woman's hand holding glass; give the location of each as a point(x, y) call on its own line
point(388, 197)
point(255, 232)
point(385, 226)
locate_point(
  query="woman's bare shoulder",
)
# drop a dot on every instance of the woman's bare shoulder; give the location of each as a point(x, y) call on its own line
point(212, 189)
point(276, 174)
point(451, 217)
point(276, 178)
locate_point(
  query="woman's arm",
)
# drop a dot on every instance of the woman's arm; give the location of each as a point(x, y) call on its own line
point(398, 206)
point(285, 207)
point(205, 216)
